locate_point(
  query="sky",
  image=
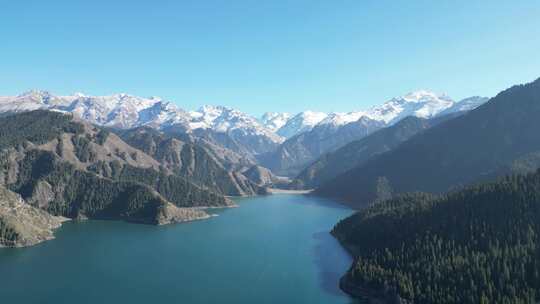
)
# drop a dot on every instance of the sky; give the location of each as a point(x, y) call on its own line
point(258, 56)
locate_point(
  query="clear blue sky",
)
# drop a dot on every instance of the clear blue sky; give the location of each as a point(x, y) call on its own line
point(281, 55)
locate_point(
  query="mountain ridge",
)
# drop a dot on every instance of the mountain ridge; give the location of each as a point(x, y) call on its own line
point(279, 141)
point(123, 110)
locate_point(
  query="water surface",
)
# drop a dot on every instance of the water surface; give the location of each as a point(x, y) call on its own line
point(272, 249)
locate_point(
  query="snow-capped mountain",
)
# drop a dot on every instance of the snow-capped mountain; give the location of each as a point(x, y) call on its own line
point(273, 121)
point(118, 110)
point(224, 119)
point(423, 104)
point(331, 133)
point(32, 100)
point(338, 129)
point(253, 137)
point(127, 111)
point(301, 122)
point(240, 127)
point(337, 119)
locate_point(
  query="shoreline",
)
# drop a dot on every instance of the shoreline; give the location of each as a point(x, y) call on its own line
point(234, 205)
point(285, 191)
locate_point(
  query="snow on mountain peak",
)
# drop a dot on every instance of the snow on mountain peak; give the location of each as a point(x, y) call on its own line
point(339, 119)
point(127, 111)
point(301, 122)
point(225, 119)
point(117, 110)
point(422, 95)
point(422, 103)
point(274, 120)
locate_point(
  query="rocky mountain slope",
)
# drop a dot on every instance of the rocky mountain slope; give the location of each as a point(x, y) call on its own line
point(190, 161)
point(77, 170)
point(491, 140)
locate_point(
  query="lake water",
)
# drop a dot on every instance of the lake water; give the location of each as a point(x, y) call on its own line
point(272, 249)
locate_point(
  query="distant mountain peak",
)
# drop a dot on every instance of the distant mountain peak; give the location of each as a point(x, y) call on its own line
point(225, 119)
point(301, 122)
point(421, 103)
point(339, 119)
point(421, 95)
point(122, 110)
point(274, 120)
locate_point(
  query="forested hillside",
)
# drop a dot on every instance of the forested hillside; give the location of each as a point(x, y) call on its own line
point(477, 245)
point(37, 127)
point(479, 145)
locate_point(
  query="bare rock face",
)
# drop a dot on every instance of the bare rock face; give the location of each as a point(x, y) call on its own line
point(21, 224)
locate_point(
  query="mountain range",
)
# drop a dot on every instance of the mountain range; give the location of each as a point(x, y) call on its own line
point(338, 129)
point(282, 142)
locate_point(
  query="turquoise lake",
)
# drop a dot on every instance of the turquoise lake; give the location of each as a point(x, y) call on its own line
point(272, 249)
